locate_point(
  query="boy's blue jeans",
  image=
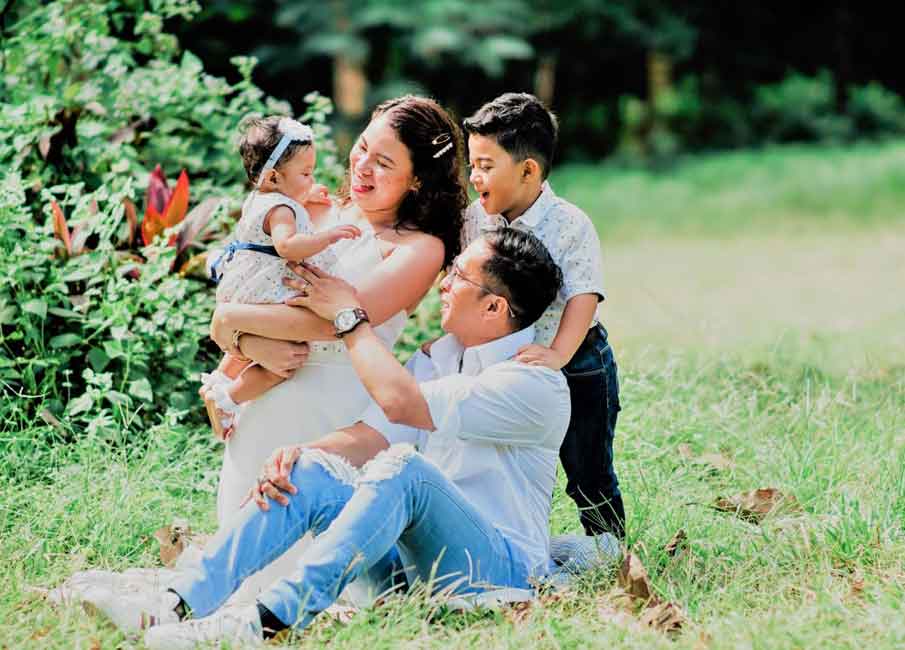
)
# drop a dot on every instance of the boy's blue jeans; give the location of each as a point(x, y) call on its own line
point(402, 507)
point(587, 450)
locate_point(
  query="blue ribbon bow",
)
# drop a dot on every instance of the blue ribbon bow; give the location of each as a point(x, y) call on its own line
point(230, 251)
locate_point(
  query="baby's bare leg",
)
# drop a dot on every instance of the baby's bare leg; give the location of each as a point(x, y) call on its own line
point(252, 383)
point(232, 366)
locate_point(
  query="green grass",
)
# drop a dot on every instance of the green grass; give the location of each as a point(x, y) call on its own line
point(776, 189)
point(757, 310)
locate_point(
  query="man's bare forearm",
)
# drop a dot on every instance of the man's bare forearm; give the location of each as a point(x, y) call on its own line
point(387, 382)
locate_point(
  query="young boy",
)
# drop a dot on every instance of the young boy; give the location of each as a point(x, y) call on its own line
point(510, 146)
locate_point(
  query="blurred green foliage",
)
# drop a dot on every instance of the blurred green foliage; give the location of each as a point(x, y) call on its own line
point(104, 337)
point(732, 75)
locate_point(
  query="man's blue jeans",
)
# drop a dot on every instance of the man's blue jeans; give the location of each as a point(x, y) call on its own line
point(401, 506)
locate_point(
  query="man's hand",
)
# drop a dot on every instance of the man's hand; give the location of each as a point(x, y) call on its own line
point(538, 355)
point(273, 483)
point(323, 294)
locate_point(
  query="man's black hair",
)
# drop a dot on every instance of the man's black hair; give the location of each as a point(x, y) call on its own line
point(521, 270)
point(521, 125)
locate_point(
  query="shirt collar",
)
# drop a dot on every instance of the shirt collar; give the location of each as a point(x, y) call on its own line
point(537, 211)
point(447, 352)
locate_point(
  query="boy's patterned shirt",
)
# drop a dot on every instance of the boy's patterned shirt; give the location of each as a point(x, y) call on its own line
point(568, 234)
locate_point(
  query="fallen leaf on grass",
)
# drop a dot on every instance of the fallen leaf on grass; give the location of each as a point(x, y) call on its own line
point(664, 617)
point(676, 543)
point(754, 505)
point(633, 578)
point(518, 613)
point(174, 539)
point(715, 461)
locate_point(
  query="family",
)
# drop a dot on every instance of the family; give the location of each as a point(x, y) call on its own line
point(441, 471)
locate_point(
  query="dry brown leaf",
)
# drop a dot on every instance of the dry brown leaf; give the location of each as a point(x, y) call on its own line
point(664, 617)
point(44, 146)
point(518, 613)
point(633, 578)
point(95, 644)
point(685, 451)
point(716, 461)
point(754, 505)
point(857, 584)
point(676, 543)
point(173, 539)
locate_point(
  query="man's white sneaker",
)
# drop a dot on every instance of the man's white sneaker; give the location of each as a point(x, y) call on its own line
point(239, 627)
point(133, 611)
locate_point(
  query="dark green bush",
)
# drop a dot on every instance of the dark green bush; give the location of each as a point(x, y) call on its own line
point(95, 95)
point(875, 110)
point(800, 108)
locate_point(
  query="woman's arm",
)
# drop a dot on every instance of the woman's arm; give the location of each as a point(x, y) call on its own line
point(396, 283)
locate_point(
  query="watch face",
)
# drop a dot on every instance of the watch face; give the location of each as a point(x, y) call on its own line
point(345, 320)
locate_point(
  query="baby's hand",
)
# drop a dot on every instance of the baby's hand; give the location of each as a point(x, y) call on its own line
point(347, 231)
point(319, 195)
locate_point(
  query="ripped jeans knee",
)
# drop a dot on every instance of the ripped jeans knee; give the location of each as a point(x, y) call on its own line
point(389, 464)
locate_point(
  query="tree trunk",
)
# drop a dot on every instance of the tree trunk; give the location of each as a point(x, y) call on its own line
point(659, 76)
point(545, 79)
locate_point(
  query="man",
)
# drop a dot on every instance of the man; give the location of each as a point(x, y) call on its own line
point(468, 509)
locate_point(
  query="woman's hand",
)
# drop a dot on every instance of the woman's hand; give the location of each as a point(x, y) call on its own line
point(279, 357)
point(323, 294)
point(273, 482)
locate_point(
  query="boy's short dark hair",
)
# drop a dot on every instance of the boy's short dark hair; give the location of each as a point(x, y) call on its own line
point(522, 271)
point(259, 137)
point(520, 124)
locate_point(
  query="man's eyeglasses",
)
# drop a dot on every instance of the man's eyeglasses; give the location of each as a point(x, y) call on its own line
point(456, 272)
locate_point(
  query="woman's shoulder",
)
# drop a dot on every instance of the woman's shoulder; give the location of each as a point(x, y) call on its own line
point(421, 243)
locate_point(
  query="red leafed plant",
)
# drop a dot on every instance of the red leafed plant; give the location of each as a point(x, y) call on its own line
point(165, 207)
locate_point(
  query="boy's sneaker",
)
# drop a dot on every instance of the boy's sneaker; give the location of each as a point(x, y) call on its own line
point(135, 611)
point(239, 627)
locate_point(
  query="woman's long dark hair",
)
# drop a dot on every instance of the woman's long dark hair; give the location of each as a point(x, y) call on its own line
point(436, 207)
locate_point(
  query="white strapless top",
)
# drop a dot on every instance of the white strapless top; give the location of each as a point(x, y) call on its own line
point(356, 258)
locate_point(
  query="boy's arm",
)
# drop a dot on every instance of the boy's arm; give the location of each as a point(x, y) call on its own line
point(573, 327)
point(295, 246)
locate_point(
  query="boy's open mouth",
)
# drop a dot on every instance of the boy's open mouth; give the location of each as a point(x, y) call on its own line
point(483, 196)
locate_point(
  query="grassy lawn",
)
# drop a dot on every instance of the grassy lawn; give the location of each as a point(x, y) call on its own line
point(757, 307)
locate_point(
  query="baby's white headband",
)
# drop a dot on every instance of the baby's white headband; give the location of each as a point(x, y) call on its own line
point(292, 131)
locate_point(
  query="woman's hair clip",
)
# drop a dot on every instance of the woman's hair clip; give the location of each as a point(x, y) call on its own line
point(441, 139)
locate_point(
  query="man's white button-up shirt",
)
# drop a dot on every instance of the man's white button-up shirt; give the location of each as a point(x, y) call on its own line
point(499, 425)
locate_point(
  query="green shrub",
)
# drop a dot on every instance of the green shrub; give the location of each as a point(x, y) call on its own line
point(800, 108)
point(876, 110)
point(98, 330)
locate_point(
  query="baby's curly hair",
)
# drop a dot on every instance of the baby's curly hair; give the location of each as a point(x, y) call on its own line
point(259, 137)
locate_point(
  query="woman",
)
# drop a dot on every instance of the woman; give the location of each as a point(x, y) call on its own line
point(404, 190)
